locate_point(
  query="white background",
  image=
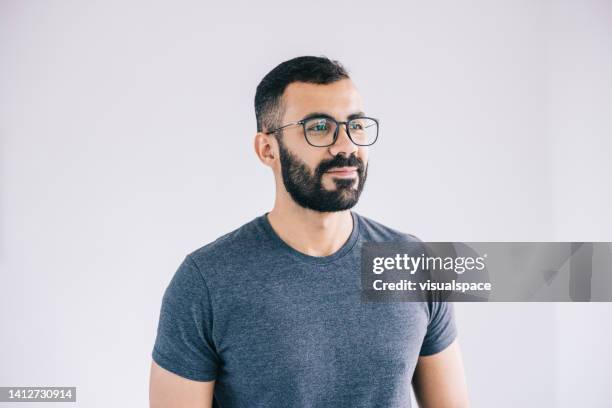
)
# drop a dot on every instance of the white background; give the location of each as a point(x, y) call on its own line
point(126, 142)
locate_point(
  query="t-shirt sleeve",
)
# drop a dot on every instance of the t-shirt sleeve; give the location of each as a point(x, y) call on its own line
point(441, 330)
point(184, 343)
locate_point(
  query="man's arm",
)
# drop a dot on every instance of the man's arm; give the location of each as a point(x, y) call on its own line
point(168, 390)
point(439, 379)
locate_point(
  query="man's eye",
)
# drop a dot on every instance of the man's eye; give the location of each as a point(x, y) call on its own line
point(356, 125)
point(318, 127)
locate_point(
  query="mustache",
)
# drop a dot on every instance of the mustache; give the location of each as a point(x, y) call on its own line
point(341, 161)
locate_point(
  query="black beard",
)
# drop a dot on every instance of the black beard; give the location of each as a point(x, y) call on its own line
point(307, 190)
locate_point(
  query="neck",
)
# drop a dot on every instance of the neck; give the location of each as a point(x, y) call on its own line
point(310, 232)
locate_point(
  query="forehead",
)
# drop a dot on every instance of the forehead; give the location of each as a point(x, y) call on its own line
point(339, 99)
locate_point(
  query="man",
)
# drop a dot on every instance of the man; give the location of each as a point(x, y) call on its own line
point(270, 314)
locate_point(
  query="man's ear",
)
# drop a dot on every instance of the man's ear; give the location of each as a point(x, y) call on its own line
point(265, 148)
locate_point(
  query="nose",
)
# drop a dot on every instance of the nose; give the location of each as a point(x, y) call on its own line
point(343, 143)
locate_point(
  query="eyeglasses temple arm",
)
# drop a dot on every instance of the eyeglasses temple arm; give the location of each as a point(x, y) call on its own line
point(284, 126)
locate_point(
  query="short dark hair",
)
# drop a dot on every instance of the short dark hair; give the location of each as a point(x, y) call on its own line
point(268, 97)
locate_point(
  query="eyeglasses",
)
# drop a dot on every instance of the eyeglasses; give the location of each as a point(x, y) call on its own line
point(322, 131)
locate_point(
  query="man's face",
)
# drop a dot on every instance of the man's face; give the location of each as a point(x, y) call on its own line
point(324, 179)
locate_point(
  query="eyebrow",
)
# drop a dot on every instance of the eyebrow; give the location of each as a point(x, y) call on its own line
point(327, 115)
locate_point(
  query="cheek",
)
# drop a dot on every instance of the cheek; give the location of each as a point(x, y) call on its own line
point(312, 160)
point(306, 154)
point(363, 155)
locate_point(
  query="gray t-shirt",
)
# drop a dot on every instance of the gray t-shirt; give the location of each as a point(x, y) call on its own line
point(278, 328)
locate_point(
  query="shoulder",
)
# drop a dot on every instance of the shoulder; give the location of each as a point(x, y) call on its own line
point(228, 247)
point(375, 231)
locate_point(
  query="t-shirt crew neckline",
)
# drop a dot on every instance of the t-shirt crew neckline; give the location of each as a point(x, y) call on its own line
point(319, 260)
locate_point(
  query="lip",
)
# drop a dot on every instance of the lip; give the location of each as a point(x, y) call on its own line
point(343, 171)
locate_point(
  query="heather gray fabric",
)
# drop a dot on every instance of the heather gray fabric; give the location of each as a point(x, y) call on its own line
point(277, 328)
